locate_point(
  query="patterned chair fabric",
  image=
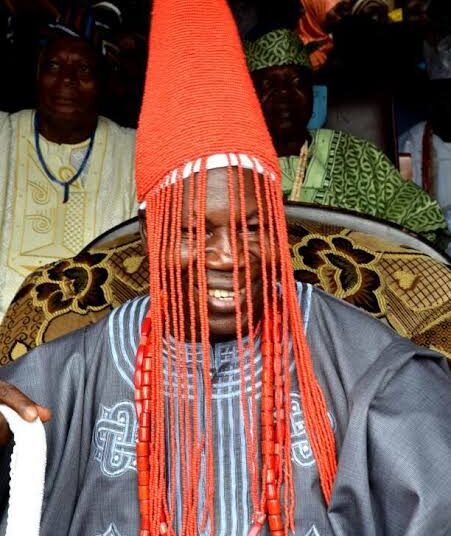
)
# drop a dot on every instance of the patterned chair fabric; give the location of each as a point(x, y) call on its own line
point(402, 286)
point(69, 294)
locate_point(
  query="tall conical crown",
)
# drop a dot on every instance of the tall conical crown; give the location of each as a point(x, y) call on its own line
point(200, 108)
point(199, 99)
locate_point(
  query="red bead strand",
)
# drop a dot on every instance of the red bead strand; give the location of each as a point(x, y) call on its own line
point(272, 429)
point(142, 381)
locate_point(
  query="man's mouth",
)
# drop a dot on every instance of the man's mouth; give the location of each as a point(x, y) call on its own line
point(221, 294)
point(64, 99)
point(222, 301)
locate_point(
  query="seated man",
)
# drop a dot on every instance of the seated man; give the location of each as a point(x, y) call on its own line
point(66, 173)
point(325, 166)
point(247, 388)
point(429, 142)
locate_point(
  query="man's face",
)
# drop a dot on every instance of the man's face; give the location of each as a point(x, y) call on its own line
point(218, 256)
point(286, 97)
point(67, 82)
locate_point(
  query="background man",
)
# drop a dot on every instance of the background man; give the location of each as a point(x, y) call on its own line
point(324, 166)
point(429, 142)
point(66, 173)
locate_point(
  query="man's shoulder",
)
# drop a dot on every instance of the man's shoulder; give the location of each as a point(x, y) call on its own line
point(26, 113)
point(322, 302)
point(24, 118)
point(344, 140)
point(320, 308)
point(117, 130)
point(361, 350)
point(329, 133)
point(348, 330)
point(122, 324)
point(115, 335)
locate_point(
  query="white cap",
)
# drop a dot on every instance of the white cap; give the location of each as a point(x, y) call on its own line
point(213, 162)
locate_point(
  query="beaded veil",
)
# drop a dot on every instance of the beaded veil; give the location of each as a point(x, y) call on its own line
point(200, 112)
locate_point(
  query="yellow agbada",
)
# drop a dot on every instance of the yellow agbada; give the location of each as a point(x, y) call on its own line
point(36, 227)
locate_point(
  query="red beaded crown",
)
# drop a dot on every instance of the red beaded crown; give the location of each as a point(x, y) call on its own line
point(200, 111)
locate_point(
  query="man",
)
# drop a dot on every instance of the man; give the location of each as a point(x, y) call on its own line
point(20, 24)
point(429, 142)
point(66, 173)
point(325, 166)
point(230, 419)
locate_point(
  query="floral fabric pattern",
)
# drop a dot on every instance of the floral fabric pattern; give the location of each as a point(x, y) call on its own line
point(69, 294)
point(75, 284)
point(403, 287)
point(339, 267)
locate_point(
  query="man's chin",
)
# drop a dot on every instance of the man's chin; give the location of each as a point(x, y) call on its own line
point(66, 114)
point(223, 330)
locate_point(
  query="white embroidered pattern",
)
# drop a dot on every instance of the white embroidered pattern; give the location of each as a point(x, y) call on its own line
point(115, 435)
point(111, 531)
point(313, 531)
point(301, 450)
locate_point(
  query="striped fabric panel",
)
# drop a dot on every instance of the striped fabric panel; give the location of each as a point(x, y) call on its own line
point(233, 507)
point(124, 329)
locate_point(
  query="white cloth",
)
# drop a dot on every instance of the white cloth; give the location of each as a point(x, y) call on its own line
point(36, 228)
point(27, 473)
point(412, 142)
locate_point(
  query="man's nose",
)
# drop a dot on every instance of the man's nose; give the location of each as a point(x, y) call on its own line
point(219, 251)
point(276, 92)
point(283, 91)
point(69, 76)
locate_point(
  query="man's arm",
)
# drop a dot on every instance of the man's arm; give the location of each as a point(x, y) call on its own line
point(395, 465)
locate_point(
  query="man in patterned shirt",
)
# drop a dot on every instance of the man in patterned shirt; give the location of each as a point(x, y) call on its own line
point(325, 166)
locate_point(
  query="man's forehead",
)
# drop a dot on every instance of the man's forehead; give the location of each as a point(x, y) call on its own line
point(216, 178)
point(66, 43)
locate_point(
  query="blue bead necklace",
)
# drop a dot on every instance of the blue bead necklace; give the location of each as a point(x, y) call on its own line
point(50, 175)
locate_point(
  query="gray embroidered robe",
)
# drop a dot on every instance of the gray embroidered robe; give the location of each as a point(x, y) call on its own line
point(389, 402)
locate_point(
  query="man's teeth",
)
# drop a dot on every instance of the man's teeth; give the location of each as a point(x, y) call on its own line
point(221, 294)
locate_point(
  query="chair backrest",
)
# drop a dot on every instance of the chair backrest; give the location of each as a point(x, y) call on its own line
point(69, 294)
point(371, 226)
point(374, 265)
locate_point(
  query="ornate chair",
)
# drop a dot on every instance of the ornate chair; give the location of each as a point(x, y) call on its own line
point(376, 266)
point(71, 293)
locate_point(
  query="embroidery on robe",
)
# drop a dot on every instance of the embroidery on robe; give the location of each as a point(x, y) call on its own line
point(301, 450)
point(111, 531)
point(313, 531)
point(115, 436)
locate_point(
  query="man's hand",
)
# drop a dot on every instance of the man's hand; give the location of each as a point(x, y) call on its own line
point(24, 7)
point(26, 408)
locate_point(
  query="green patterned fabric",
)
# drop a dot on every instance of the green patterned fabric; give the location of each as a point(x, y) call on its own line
point(347, 172)
point(279, 47)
